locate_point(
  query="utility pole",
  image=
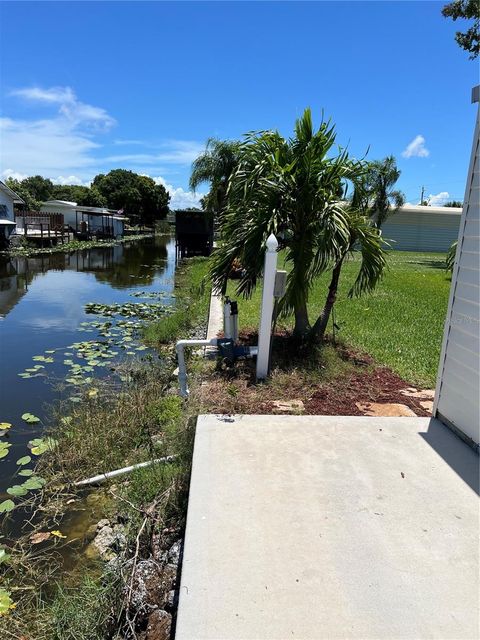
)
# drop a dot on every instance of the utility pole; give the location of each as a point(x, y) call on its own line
point(423, 193)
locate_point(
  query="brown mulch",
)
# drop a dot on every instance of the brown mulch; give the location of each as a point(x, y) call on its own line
point(378, 385)
point(363, 381)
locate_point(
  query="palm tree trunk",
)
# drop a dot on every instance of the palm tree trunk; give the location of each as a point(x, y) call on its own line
point(302, 325)
point(318, 330)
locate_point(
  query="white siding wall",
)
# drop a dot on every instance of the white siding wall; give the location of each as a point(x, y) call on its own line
point(421, 231)
point(458, 385)
point(8, 202)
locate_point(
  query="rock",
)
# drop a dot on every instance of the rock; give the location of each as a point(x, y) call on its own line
point(102, 523)
point(172, 599)
point(427, 405)
point(385, 409)
point(108, 541)
point(422, 394)
point(159, 625)
point(152, 583)
point(286, 406)
point(173, 554)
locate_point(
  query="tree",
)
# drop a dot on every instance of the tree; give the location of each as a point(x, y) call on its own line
point(374, 194)
point(39, 188)
point(291, 188)
point(82, 195)
point(215, 165)
point(468, 10)
point(139, 197)
point(31, 204)
point(450, 257)
point(454, 203)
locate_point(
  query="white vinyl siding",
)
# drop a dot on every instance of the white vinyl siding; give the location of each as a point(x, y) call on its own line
point(458, 386)
point(417, 230)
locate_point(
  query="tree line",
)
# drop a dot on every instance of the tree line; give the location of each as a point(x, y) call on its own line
point(139, 197)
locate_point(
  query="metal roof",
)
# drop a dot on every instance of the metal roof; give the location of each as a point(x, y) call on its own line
point(16, 198)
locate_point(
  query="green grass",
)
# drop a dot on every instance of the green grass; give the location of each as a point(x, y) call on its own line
point(192, 302)
point(400, 324)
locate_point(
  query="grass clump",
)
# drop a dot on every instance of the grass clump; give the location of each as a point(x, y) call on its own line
point(79, 613)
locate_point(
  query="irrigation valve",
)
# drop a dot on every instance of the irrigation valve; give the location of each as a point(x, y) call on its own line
point(280, 284)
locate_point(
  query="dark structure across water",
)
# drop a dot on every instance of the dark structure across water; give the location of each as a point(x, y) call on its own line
point(193, 233)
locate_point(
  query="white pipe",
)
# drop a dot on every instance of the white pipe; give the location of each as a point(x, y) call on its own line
point(227, 328)
point(182, 368)
point(119, 472)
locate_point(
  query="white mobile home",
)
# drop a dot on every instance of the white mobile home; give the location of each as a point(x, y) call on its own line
point(421, 228)
point(88, 220)
point(458, 382)
point(8, 199)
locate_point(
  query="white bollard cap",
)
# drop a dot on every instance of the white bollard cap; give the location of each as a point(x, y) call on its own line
point(272, 243)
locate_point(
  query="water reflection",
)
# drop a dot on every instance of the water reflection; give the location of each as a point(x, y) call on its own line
point(122, 266)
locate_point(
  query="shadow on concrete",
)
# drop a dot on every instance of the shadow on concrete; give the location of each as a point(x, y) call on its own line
point(456, 453)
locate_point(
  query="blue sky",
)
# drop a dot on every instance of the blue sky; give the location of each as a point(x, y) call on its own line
point(87, 87)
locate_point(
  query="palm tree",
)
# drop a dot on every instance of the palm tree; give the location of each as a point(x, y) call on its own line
point(291, 188)
point(379, 200)
point(215, 165)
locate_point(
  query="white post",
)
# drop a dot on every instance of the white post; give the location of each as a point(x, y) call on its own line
point(265, 329)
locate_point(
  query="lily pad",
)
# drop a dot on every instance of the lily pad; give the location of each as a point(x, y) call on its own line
point(30, 418)
point(26, 472)
point(17, 490)
point(35, 482)
point(6, 603)
point(6, 506)
point(41, 445)
point(4, 447)
point(4, 556)
point(24, 460)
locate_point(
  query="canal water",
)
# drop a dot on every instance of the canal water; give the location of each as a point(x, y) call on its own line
point(43, 313)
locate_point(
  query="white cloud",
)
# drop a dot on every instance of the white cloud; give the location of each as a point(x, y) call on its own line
point(78, 113)
point(71, 180)
point(179, 198)
point(54, 95)
point(128, 142)
point(59, 145)
point(47, 147)
point(416, 148)
point(181, 152)
point(9, 173)
point(63, 144)
point(439, 199)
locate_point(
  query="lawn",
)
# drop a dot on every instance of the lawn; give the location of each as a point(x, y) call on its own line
point(399, 325)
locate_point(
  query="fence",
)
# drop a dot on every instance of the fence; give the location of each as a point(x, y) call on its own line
point(41, 225)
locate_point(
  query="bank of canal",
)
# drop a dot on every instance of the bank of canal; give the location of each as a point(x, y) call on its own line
point(47, 338)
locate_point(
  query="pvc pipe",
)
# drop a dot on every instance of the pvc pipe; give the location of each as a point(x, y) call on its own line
point(182, 368)
point(119, 472)
point(234, 320)
point(227, 329)
point(265, 328)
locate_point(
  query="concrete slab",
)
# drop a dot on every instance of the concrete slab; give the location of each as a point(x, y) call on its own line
point(313, 527)
point(215, 317)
